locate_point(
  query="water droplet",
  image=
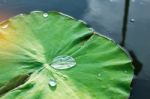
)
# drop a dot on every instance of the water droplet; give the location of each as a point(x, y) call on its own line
point(4, 26)
point(52, 83)
point(99, 75)
point(21, 14)
point(132, 20)
point(63, 62)
point(45, 15)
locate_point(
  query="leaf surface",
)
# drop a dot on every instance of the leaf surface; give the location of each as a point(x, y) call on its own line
point(28, 45)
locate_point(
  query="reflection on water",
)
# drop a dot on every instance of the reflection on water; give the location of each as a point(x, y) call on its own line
point(106, 17)
point(109, 17)
point(137, 40)
point(125, 22)
point(136, 63)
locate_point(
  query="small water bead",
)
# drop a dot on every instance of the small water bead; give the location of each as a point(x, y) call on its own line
point(132, 20)
point(45, 15)
point(52, 82)
point(99, 75)
point(63, 62)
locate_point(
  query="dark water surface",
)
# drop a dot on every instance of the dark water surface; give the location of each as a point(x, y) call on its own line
point(109, 18)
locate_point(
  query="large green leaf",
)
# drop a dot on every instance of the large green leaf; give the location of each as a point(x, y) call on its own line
point(30, 43)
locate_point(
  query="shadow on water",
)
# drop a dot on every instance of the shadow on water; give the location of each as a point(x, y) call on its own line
point(125, 22)
point(137, 64)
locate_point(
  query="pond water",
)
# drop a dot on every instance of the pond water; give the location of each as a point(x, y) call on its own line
point(128, 27)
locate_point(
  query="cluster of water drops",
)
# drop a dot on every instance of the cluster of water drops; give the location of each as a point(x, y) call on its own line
point(60, 63)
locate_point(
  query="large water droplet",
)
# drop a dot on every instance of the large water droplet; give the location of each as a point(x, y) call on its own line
point(21, 14)
point(45, 15)
point(52, 83)
point(63, 62)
